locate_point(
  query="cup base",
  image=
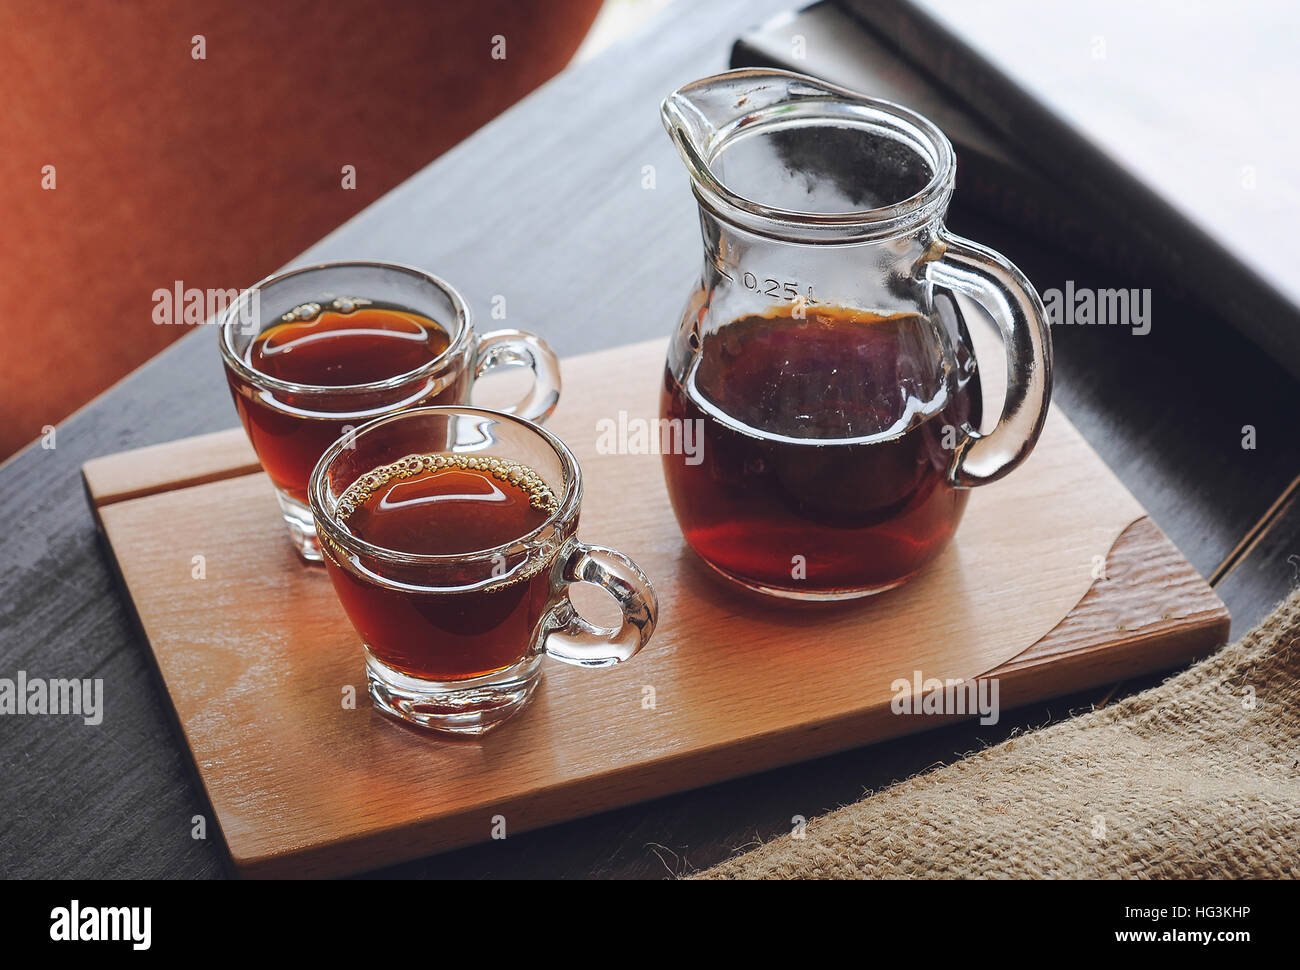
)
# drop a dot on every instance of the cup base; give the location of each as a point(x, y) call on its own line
point(463, 707)
point(803, 595)
point(302, 527)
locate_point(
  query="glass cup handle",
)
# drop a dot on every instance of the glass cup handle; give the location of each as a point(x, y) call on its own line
point(991, 280)
point(569, 637)
point(515, 348)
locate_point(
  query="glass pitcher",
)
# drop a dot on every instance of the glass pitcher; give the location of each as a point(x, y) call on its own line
point(833, 408)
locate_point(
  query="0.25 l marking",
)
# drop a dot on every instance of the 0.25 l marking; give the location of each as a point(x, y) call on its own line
point(778, 289)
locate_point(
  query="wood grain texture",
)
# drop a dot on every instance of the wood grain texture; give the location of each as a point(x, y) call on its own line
point(175, 464)
point(1150, 601)
point(256, 654)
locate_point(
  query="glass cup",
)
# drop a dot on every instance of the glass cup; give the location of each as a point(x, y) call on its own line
point(455, 642)
point(290, 425)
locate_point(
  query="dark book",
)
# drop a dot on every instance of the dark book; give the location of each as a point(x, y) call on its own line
point(993, 178)
point(1169, 120)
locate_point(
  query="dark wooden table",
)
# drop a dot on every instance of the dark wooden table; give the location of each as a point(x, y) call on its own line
point(545, 206)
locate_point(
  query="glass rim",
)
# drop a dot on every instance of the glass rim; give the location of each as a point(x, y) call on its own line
point(329, 524)
point(229, 322)
point(832, 103)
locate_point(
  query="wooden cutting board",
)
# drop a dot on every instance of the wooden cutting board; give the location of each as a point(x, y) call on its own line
point(268, 685)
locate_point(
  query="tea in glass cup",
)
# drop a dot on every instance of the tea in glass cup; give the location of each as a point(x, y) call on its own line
point(314, 353)
point(449, 534)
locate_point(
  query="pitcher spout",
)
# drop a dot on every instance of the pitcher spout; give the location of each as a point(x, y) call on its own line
point(699, 116)
point(787, 155)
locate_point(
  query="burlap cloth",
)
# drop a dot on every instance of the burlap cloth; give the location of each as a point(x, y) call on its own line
point(1199, 777)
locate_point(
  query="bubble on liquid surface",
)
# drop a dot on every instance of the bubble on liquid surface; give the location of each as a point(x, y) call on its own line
point(310, 311)
point(516, 473)
point(349, 304)
point(304, 311)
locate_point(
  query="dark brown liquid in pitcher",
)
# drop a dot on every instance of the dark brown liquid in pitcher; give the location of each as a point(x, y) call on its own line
point(826, 443)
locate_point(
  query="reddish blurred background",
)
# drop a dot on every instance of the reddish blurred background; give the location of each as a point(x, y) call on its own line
point(215, 171)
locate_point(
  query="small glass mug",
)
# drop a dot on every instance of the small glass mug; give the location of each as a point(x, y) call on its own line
point(290, 425)
point(455, 642)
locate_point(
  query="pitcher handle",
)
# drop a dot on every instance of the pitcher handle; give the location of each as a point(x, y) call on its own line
point(991, 280)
